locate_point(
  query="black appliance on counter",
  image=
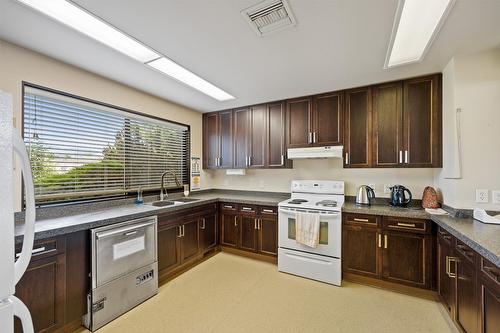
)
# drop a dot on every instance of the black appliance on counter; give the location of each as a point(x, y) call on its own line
point(398, 197)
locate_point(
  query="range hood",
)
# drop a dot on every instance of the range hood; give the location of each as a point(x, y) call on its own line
point(315, 152)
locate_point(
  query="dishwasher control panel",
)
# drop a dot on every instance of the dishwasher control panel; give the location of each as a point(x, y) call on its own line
point(143, 278)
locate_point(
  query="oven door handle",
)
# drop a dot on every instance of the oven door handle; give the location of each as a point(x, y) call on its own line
point(126, 231)
point(291, 211)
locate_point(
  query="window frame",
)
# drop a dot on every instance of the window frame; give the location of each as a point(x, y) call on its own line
point(126, 195)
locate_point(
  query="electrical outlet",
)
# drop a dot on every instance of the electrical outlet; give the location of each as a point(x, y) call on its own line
point(495, 196)
point(482, 196)
point(387, 188)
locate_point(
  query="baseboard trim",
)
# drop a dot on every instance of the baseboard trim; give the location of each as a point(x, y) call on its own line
point(166, 278)
point(391, 286)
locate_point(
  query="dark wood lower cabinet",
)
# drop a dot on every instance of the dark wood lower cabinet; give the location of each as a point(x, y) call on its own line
point(248, 232)
point(190, 239)
point(445, 283)
point(268, 234)
point(169, 254)
point(360, 250)
point(466, 300)
point(208, 232)
point(489, 297)
point(229, 229)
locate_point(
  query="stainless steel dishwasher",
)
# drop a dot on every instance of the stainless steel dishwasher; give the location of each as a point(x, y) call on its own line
point(124, 269)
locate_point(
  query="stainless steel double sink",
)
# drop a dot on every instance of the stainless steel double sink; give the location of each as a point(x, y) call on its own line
point(172, 202)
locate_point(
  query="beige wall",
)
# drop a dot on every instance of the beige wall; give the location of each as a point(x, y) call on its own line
point(471, 83)
point(18, 64)
point(279, 180)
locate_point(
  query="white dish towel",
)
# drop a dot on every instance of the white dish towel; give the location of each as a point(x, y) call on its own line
point(307, 229)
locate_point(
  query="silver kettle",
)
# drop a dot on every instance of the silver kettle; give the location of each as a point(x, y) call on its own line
point(365, 195)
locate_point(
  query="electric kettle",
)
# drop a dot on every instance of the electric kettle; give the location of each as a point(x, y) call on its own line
point(365, 195)
point(398, 197)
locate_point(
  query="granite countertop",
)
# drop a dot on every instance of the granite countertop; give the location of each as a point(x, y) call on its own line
point(483, 238)
point(65, 222)
point(415, 212)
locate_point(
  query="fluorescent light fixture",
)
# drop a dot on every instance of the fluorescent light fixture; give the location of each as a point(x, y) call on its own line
point(94, 27)
point(178, 72)
point(86, 23)
point(416, 24)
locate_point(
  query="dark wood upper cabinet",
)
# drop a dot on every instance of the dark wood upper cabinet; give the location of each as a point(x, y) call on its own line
point(358, 128)
point(226, 139)
point(299, 126)
point(327, 119)
point(388, 125)
point(241, 137)
point(258, 136)
point(211, 140)
point(422, 122)
point(276, 151)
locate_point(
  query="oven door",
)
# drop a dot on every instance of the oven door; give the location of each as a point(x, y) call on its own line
point(330, 232)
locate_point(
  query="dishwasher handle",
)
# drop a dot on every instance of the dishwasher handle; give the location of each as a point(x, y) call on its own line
point(126, 230)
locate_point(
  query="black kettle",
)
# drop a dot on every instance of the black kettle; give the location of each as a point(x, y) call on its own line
point(398, 197)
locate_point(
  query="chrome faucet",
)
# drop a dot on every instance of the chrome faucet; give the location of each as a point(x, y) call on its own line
point(165, 195)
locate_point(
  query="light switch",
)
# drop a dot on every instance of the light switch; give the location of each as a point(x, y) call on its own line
point(495, 196)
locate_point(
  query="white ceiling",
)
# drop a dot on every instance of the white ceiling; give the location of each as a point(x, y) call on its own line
point(337, 44)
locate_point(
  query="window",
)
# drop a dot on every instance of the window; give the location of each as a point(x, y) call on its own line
point(81, 149)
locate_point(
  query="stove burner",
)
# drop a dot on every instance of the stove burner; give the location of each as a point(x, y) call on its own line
point(327, 203)
point(297, 201)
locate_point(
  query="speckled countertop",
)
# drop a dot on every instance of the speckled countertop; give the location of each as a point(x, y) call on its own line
point(484, 238)
point(65, 222)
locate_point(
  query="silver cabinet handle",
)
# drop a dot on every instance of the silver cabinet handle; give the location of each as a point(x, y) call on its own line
point(236, 221)
point(180, 232)
point(310, 138)
point(406, 156)
point(385, 242)
point(282, 159)
point(255, 224)
point(247, 209)
point(183, 230)
point(409, 225)
point(259, 221)
point(314, 137)
point(346, 158)
point(361, 220)
point(268, 211)
point(130, 233)
point(203, 223)
point(228, 207)
point(448, 267)
point(400, 156)
point(379, 240)
point(250, 158)
point(246, 161)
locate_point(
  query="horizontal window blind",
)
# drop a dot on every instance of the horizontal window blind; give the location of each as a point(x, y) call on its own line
point(81, 150)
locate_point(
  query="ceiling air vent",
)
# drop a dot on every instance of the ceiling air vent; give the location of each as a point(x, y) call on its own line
point(269, 16)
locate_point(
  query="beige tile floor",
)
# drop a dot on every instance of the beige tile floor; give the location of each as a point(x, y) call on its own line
point(228, 293)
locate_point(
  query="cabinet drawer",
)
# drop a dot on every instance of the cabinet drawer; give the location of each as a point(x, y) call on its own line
point(445, 235)
point(362, 219)
point(229, 207)
point(402, 224)
point(268, 211)
point(466, 251)
point(248, 209)
point(491, 271)
point(45, 248)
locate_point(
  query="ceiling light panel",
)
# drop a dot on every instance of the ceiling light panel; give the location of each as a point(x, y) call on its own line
point(416, 24)
point(178, 72)
point(79, 19)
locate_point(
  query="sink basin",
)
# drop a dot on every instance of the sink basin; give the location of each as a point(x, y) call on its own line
point(163, 203)
point(185, 200)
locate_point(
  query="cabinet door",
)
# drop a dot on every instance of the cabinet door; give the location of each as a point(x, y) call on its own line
point(406, 258)
point(466, 301)
point(208, 228)
point(489, 297)
point(241, 137)
point(387, 125)
point(226, 139)
point(190, 240)
point(446, 281)
point(276, 136)
point(299, 129)
point(327, 119)
point(229, 229)
point(169, 254)
point(210, 140)
point(268, 235)
point(358, 125)
point(248, 232)
point(42, 289)
point(422, 122)
point(361, 250)
point(258, 136)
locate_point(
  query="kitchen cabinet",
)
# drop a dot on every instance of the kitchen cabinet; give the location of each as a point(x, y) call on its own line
point(268, 231)
point(250, 138)
point(218, 140)
point(169, 253)
point(299, 126)
point(466, 314)
point(248, 228)
point(190, 239)
point(445, 283)
point(361, 242)
point(208, 232)
point(43, 286)
point(387, 124)
point(276, 150)
point(422, 122)
point(229, 220)
point(327, 119)
point(397, 250)
point(489, 297)
point(241, 137)
point(358, 128)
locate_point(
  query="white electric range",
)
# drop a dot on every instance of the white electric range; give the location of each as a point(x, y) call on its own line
point(322, 263)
